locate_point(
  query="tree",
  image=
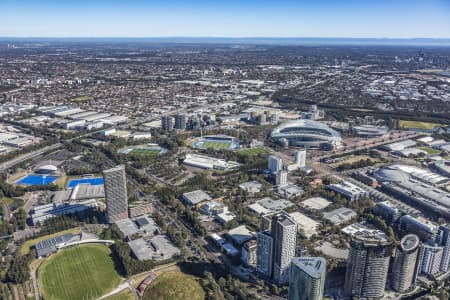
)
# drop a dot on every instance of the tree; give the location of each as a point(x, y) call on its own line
point(19, 271)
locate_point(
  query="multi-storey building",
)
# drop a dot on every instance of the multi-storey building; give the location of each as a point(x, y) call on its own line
point(167, 123)
point(307, 278)
point(300, 158)
point(430, 259)
point(443, 240)
point(275, 164)
point(264, 253)
point(116, 194)
point(281, 178)
point(180, 121)
point(404, 268)
point(368, 264)
point(284, 233)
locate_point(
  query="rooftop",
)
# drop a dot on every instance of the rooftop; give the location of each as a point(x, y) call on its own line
point(409, 242)
point(317, 203)
point(240, 234)
point(196, 197)
point(313, 266)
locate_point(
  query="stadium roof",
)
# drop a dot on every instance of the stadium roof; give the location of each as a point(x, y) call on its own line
point(305, 127)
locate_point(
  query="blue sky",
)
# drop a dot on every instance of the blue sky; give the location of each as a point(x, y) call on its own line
point(232, 18)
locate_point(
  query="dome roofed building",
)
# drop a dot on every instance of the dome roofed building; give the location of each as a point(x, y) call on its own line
point(47, 169)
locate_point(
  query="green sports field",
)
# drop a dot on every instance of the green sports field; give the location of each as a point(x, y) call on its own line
point(430, 151)
point(174, 286)
point(417, 125)
point(253, 151)
point(144, 152)
point(82, 272)
point(215, 145)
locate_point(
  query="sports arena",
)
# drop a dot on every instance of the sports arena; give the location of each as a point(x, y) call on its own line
point(216, 142)
point(307, 133)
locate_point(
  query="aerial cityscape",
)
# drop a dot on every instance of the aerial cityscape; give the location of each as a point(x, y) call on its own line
point(212, 160)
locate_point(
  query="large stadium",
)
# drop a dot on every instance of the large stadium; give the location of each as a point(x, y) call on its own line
point(307, 133)
point(217, 142)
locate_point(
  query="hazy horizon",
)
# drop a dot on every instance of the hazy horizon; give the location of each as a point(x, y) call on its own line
point(284, 41)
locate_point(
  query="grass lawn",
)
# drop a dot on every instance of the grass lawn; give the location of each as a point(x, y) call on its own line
point(82, 272)
point(253, 151)
point(417, 124)
point(25, 248)
point(215, 145)
point(61, 182)
point(124, 295)
point(430, 151)
point(174, 286)
point(9, 201)
point(144, 152)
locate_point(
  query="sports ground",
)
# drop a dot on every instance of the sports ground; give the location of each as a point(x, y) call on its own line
point(253, 151)
point(35, 179)
point(405, 124)
point(82, 272)
point(90, 180)
point(175, 286)
point(145, 152)
point(217, 145)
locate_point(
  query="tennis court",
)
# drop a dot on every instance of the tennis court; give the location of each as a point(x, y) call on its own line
point(35, 179)
point(90, 180)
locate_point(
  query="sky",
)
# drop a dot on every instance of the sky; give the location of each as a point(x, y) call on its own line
point(230, 18)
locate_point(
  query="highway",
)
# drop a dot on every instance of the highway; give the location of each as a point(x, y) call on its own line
point(11, 163)
point(366, 144)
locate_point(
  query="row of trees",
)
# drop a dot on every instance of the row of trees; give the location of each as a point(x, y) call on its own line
point(355, 165)
point(19, 269)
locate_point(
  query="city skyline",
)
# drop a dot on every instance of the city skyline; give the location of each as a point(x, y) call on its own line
point(322, 19)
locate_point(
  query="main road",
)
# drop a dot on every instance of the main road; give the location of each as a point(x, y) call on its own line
point(11, 163)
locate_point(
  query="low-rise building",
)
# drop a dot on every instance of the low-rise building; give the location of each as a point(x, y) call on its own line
point(240, 235)
point(157, 248)
point(348, 190)
point(207, 162)
point(195, 198)
point(251, 187)
point(340, 215)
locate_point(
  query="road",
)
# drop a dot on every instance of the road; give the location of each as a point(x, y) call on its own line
point(11, 163)
point(35, 283)
point(117, 290)
point(371, 143)
point(6, 210)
